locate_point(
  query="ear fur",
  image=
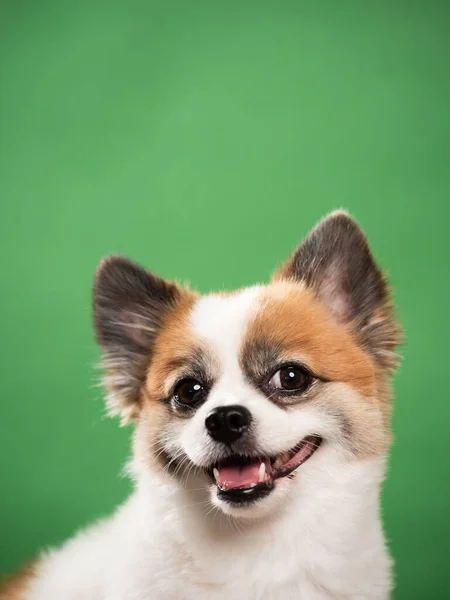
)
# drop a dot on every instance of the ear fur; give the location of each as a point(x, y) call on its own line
point(335, 262)
point(129, 304)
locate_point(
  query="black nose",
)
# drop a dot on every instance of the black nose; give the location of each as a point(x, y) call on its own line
point(227, 423)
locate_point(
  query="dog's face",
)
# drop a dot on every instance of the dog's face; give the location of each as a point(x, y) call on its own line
point(247, 390)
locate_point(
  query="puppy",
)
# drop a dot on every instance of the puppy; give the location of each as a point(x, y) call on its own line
point(261, 430)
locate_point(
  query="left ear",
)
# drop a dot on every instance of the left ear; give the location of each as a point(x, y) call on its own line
point(336, 263)
point(129, 306)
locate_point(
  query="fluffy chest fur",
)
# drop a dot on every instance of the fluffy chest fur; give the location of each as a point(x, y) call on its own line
point(158, 546)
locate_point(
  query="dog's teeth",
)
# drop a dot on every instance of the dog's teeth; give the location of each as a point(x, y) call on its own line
point(216, 475)
point(253, 485)
point(262, 472)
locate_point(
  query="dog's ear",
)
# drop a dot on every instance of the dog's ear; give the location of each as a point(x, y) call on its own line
point(336, 263)
point(129, 305)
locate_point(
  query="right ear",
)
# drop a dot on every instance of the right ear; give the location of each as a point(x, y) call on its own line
point(336, 263)
point(129, 305)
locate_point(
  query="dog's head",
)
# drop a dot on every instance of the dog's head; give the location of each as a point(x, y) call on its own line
point(248, 390)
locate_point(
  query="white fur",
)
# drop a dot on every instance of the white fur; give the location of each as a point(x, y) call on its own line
point(316, 537)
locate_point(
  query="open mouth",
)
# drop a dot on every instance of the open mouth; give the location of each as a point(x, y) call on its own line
point(244, 480)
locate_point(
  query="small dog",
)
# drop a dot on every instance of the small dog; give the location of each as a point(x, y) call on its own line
point(261, 431)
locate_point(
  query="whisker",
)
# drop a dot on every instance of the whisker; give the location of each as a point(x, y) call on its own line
point(202, 502)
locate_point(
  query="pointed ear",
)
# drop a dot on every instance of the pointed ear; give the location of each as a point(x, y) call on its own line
point(335, 262)
point(129, 304)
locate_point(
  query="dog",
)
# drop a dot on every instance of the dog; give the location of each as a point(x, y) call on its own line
point(261, 435)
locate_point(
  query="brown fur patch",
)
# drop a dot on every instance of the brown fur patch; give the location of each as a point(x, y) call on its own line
point(174, 347)
point(292, 324)
point(14, 587)
point(295, 321)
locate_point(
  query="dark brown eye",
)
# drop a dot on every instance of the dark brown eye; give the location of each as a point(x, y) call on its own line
point(291, 379)
point(189, 392)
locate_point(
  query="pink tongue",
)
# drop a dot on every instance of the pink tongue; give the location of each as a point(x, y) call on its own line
point(233, 477)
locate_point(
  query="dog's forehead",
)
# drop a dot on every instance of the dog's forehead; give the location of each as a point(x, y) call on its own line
point(222, 320)
point(283, 313)
point(282, 320)
point(252, 331)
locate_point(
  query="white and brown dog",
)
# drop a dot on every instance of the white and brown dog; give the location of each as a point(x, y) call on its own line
point(261, 430)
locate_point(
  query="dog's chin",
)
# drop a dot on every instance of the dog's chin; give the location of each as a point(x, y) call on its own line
point(259, 507)
point(253, 487)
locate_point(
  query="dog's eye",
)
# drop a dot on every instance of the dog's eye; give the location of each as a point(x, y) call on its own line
point(189, 392)
point(291, 378)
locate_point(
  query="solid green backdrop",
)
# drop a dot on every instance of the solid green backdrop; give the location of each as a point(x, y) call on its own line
point(204, 139)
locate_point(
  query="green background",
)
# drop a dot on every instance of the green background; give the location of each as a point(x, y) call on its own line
point(204, 139)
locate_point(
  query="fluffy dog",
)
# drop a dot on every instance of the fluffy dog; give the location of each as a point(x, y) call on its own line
point(261, 431)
